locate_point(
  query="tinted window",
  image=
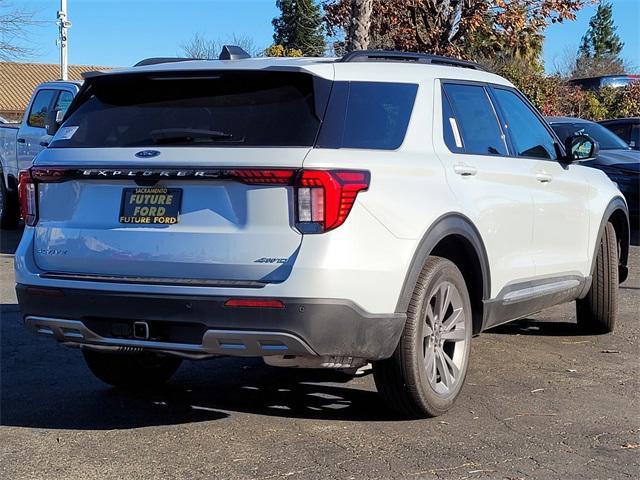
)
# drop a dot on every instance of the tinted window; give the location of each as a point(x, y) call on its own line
point(476, 120)
point(63, 102)
point(529, 135)
point(372, 115)
point(623, 131)
point(40, 108)
point(211, 108)
point(607, 139)
point(634, 142)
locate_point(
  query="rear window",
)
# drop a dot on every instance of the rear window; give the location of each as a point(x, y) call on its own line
point(252, 109)
point(369, 115)
point(226, 109)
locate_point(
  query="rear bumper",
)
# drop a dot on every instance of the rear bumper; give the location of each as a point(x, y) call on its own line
point(202, 325)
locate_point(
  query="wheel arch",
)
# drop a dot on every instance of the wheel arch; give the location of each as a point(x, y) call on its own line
point(455, 237)
point(618, 214)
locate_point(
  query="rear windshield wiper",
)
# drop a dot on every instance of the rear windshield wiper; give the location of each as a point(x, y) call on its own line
point(170, 135)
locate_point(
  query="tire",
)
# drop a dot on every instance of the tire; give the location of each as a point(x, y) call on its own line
point(131, 369)
point(420, 380)
point(9, 208)
point(597, 312)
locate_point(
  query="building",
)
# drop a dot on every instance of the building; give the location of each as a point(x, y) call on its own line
point(18, 80)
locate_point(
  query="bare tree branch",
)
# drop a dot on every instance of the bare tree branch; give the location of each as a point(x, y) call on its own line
point(203, 48)
point(13, 32)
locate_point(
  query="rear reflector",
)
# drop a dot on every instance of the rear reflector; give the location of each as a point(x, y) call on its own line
point(253, 303)
point(46, 292)
point(28, 198)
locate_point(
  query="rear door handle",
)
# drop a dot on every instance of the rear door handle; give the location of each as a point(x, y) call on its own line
point(21, 140)
point(544, 177)
point(465, 170)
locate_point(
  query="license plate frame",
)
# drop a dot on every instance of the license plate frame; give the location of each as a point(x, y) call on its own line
point(150, 206)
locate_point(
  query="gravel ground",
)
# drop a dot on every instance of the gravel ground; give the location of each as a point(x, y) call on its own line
point(540, 402)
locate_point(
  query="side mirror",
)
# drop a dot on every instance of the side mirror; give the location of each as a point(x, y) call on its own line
point(580, 147)
point(53, 121)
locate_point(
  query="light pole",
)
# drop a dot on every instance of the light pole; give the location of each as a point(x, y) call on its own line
point(63, 24)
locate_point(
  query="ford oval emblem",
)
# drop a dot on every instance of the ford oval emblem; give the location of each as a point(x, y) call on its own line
point(147, 154)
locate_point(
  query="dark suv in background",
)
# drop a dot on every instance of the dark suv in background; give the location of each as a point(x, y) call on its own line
point(596, 83)
point(628, 129)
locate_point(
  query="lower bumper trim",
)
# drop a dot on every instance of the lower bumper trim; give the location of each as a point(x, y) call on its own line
point(214, 342)
point(203, 325)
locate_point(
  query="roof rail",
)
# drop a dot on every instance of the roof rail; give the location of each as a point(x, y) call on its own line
point(157, 60)
point(233, 52)
point(395, 56)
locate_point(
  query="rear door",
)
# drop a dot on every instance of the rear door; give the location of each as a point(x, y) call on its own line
point(178, 178)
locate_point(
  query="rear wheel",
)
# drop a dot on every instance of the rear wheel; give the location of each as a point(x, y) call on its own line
point(426, 372)
point(131, 369)
point(9, 211)
point(597, 312)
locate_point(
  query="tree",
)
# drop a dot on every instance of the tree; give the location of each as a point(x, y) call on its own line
point(205, 49)
point(13, 24)
point(599, 52)
point(461, 28)
point(360, 24)
point(299, 26)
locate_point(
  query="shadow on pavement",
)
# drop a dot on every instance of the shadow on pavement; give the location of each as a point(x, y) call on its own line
point(9, 240)
point(44, 385)
point(527, 326)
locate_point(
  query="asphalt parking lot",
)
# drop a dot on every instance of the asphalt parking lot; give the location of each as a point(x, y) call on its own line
point(540, 402)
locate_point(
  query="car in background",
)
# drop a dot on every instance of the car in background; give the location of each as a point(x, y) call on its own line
point(21, 142)
point(628, 129)
point(596, 83)
point(616, 158)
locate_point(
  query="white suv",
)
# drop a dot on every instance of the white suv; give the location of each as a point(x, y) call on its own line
point(383, 207)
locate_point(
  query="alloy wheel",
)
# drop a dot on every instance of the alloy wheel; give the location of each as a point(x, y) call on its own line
point(444, 338)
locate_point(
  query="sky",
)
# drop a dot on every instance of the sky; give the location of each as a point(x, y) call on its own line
point(122, 32)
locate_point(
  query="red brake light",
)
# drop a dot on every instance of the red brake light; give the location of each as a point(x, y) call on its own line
point(262, 176)
point(325, 197)
point(254, 303)
point(28, 198)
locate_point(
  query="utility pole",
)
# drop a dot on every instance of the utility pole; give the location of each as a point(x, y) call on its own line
point(63, 24)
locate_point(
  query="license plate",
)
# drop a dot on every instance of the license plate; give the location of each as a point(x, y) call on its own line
point(150, 205)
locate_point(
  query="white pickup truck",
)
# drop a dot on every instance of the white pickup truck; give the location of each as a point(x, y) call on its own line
point(21, 142)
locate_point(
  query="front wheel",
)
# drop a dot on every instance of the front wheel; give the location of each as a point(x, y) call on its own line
point(131, 369)
point(424, 376)
point(597, 312)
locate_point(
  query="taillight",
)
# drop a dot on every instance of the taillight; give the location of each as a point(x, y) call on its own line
point(256, 176)
point(324, 197)
point(28, 199)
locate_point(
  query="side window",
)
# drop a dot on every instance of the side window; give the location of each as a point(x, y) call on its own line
point(623, 131)
point(634, 141)
point(529, 135)
point(63, 102)
point(475, 119)
point(40, 108)
point(372, 115)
